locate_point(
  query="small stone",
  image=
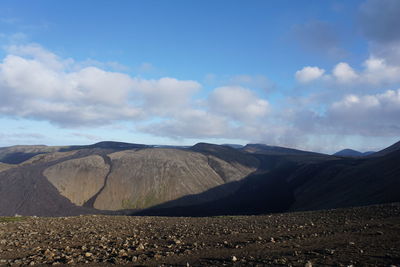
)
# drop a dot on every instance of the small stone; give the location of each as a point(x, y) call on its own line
point(330, 251)
point(272, 240)
point(308, 264)
point(234, 258)
point(140, 247)
point(49, 254)
point(88, 254)
point(122, 253)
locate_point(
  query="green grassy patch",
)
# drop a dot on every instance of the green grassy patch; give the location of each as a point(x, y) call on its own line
point(11, 219)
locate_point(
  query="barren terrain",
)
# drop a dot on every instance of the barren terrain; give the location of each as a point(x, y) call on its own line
point(367, 236)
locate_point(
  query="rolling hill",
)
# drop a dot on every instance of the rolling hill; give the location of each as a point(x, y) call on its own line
point(352, 153)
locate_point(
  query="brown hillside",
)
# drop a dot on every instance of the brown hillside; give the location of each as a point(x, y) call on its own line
point(148, 177)
point(78, 179)
point(4, 166)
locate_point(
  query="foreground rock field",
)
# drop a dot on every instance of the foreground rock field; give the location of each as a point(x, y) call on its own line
point(367, 236)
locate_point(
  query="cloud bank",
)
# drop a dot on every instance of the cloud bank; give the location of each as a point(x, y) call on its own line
point(327, 105)
point(37, 84)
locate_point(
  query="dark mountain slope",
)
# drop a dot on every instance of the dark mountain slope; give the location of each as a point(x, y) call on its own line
point(291, 183)
point(347, 183)
point(18, 154)
point(383, 152)
point(115, 146)
point(257, 194)
point(26, 191)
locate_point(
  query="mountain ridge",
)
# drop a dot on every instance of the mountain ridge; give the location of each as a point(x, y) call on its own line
point(204, 179)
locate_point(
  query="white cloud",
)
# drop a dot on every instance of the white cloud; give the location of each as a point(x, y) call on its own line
point(379, 72)
point(39, 87)
point(35, 83)
point(237, 103)
point(379, 22)
point(376, 114)
point(389, 51)
point(308, 74)
point(192, 123)
point(344, 73)
point(376, 72)
point(228, 112)
point(38, 53)
point(356, 105)
point(99, 86)
point(166, 96)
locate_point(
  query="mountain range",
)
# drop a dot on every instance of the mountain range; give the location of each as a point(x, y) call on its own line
point(201, 180)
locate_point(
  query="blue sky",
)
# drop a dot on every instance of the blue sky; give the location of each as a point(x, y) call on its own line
point(318, 75)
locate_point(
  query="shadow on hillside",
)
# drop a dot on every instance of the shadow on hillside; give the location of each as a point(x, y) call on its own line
point(18, 157)
point(259, 193)
point(118, 146)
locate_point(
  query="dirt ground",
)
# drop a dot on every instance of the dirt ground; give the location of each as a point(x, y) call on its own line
point(365, 236)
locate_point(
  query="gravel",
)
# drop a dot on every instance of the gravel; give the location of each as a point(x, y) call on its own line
point(367, 236)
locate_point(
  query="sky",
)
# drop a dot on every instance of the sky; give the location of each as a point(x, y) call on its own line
point(314, 75)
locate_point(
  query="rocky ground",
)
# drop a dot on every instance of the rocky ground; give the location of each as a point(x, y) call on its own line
point(366, 236)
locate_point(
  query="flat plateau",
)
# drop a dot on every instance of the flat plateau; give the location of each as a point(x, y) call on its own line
point(367, 236)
